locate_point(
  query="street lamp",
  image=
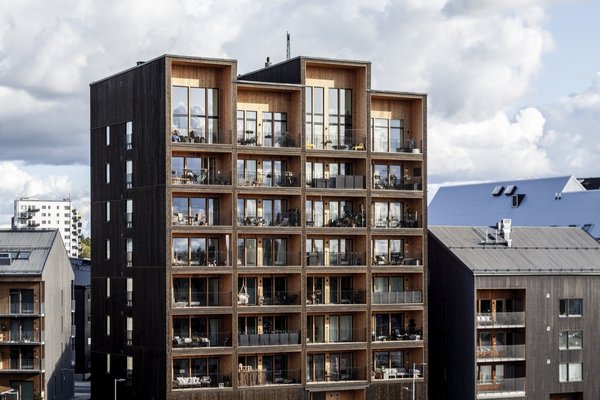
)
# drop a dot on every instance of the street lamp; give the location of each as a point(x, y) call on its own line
point(117, 380)
point(413, 377)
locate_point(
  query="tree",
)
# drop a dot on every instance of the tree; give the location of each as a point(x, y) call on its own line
point(86, 247)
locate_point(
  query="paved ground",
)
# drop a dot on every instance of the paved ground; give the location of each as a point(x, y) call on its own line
point(82, 390)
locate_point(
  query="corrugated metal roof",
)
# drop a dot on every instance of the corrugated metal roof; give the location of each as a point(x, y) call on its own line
point(534, 250)
point(558, 201)
point(38, 242)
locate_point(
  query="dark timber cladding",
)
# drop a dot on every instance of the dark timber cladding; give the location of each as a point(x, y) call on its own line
point(258, 236)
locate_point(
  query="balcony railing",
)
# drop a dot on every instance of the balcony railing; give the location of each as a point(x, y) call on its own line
point(202, 299)
point(23, 309)
point(397, 222)
point(501, 319)
point(501, 386)
point(416, 334)
point(338, 182)
point(287, 179)
point(338, 336)
point(270, 139)
point(337, 297)
point(22, 364)
point(507, 351)
point(348, 220)
point(268, 259)
point(397, 373)
point(349, 139)
point(397, 258)
point(341, 375)
point(213, 259)
point(200, 177)
point(202, 381)
point(330, 259)
point(276, 298)
point(197, 136)
point(269, 339)
point(248, 376)
point(287, 218)
point(394, 183)
point(215, 339)
point(197, 219)
point(415, 296)
point(25, 337)
point(407, 146)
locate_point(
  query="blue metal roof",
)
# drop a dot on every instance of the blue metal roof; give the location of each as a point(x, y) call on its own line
point(560, 201)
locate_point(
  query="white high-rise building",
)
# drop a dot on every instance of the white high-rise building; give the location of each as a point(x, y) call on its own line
point(34, 214)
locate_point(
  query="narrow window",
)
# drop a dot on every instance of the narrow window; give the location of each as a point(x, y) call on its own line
point(107, 172)
point(128, 135)
point(107, 211)
point(107, 133)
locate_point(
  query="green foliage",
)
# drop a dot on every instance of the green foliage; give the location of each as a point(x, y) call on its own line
point(86, 247)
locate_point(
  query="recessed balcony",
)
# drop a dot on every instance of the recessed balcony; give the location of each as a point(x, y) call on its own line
point(500, 387)
point(400, 297)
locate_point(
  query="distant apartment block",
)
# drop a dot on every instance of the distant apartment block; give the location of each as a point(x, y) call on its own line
point(513, 313)
point(257, 236)
point(34, 214)
point(35, 315)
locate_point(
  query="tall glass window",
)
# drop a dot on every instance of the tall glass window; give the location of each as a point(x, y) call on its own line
point(340, 118)
point(388, 134)
point(314, 117)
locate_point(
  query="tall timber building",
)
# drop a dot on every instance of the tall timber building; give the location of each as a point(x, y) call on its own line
point(259, 235)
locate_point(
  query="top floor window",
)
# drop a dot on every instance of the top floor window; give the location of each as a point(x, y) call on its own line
point(195, 114)
point(388, 134)
point(571, 307)
point(340, 119)
point(314, 117)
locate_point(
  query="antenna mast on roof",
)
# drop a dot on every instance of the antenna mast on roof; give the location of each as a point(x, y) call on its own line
point(287, 54)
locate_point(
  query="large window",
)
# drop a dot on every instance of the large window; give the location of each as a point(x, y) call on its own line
point(340, 119)
point(195, 211)
point(274, 130)
point(570, 372)
point(196, 251)
point(388, 215)
point(388, 251)
point(388, 359)
point(569, 340)
point(198, 170)
point(387, 176)
point(246, 128)
point(314, 117)
point(195, 114)
point(388, 326)
point(571, 307)
point(247, 172)
point(388, 135)
point(314, 252)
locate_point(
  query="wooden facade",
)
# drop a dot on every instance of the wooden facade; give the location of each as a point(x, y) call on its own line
point(240, 277)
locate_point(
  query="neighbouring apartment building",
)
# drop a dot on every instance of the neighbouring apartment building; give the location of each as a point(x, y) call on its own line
point(513, 313)
point(82, 294)
point(34, 214)
point(35, 315)
point(259, 235)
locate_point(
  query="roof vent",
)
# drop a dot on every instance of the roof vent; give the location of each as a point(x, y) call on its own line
point(505, 226)
point(517, 199)
point(497, 190)
point(140, 62)
point(268, 63)
point(510, 190)
point(5, 259)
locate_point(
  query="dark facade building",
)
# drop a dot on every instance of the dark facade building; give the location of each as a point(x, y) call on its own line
point(82, 289)
point(35, 315)
point(257, 236)
point(513, 313)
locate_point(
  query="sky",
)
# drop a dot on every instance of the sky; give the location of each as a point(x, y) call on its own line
point(513, 85)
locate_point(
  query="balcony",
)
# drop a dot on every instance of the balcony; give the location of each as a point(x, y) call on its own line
point(215, 339)
point(24, 337)
point(407, 297)
point(344, 297)
point(396, 373)
point(408, 221)
point(348, 220)
point(353, 335)
point(202, 299)
point(415, 334)
point(267, 259)
point(394, 183)
point(213, 259)
point(248, 376)
point(334, 259)
point(348, 140)
point(202, 177)
point(501, 353)
point(286, 179)
point(198, 219)
point(340, 375)
point(25, 216)
point(271, 139)
point(501, 320)
point(22, 365)
point(23, 310)
point(397, 258)
point(282, 338)
point(287, 218)
point(196, 136)
point(206, 381)
point(505, 387)
point(412, 146)
point(276, 298)
point(338, 182)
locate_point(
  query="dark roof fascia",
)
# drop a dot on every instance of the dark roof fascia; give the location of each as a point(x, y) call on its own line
point(164, 57)
point(396, 93)
point(268, 85)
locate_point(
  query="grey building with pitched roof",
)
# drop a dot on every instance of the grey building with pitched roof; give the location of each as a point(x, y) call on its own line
point(557, 201)
point(35, 314)
point(513, 312)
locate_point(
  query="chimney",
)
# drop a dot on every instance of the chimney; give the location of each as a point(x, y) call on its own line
point(505, 226)
point(140, 62)
point(268, 63)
